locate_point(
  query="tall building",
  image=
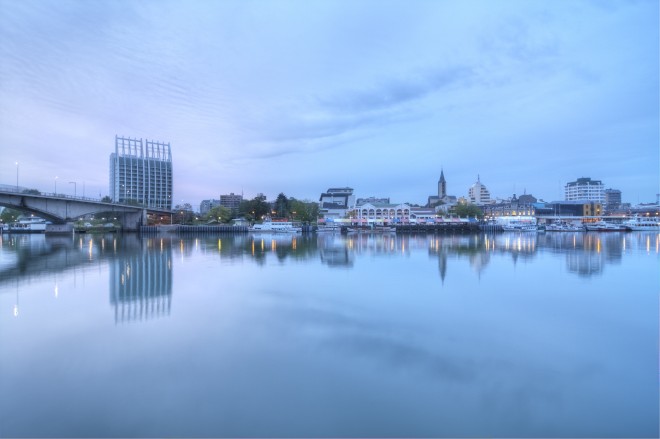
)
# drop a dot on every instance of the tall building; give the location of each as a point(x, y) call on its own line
point(231, 201)
point(207, 205)
point(612, 199)
point(141, 172)
point(478, 193)
point(585, 189)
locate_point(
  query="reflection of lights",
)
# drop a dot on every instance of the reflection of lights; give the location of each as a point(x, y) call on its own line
point(161, 245)
point(57, 290)
point(91, 246)
point(122, 279)
point(262, 244)
point(294, 243)
point(219, 244)
point(273, 245)
point(169, 264)
point(16, 310)
point(252, 247)
point(648, 244)
point(114, 245)
point(598, 245)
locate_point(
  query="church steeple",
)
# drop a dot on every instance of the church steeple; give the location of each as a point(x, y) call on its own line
point(442, 185)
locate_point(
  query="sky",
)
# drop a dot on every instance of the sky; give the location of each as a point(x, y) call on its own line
point(298, 97)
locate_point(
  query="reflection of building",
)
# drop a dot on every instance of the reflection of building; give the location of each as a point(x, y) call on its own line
point(585, 189)
point(336, 202)
point(478, 193)
point(141, 172)
point(141, 284)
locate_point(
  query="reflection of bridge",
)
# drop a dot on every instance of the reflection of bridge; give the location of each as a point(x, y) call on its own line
point(61, 209)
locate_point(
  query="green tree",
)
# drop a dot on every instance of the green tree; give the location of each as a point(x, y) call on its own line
point(281, 207)
point(305, 211)
point(9, 215)
point(254, 209)
point(31, 192)
point(219, 213)
point(467, 211)
point(106, 199)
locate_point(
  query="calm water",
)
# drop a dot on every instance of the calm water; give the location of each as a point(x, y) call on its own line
point(484, 335)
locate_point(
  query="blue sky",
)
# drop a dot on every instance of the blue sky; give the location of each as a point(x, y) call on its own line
point(296, 97)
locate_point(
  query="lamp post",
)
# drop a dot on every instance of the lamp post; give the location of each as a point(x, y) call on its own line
point(75, 186)
point(56, 177)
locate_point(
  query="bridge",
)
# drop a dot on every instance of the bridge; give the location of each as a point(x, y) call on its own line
point(62, 210)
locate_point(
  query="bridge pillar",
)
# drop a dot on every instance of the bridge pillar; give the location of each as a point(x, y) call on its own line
point(131, 221)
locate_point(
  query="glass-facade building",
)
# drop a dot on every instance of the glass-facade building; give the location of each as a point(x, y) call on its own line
point(141, 172)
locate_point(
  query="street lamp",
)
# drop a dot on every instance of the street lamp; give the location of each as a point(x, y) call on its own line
point(75, 185)
point(56, 177)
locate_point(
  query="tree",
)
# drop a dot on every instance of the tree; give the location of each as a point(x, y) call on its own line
point(467, 210)
point(254, 209)
point(219, 213)
point(31, 192)
point(282, 208)
point(305, 211)
point(106, 199)
point(9, 215)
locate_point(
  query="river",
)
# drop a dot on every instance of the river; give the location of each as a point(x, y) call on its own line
point(489, 335)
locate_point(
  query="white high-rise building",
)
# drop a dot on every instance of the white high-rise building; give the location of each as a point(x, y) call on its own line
point(478, 193)
point(585, 189)
point(141, 172)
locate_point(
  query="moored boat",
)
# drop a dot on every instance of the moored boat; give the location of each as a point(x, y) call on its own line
point(604, 226)
point(643, 223)
point(28, 225)
point(276, 227)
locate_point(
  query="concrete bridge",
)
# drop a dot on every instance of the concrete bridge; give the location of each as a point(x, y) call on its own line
point(63, 210)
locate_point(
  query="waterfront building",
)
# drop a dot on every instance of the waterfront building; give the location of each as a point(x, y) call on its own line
point(382, 213)
point(141, 172)
point(361, 201)
point(231, 201)
point(572, 208)
point(515, 206)
point(336, 203)
point(478, 193)
point(585, 188)
point(206, 205)
point(612, 199)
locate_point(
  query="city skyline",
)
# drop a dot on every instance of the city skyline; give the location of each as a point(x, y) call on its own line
point(270, 97)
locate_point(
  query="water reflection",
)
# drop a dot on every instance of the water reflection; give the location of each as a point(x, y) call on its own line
point(141, 281)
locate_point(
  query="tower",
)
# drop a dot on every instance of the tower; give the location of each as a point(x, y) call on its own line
point(442, 185)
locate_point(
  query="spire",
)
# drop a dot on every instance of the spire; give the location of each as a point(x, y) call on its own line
point(442, 175)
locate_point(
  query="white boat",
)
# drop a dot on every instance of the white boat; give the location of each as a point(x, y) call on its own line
point(604, 226)
point(562, 226)
point(643, 223)
point(519, 226)
point(28, 225)
point(270, 226)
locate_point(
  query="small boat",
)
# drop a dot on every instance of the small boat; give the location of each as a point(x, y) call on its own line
point(643, 223)
point(270, 226)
